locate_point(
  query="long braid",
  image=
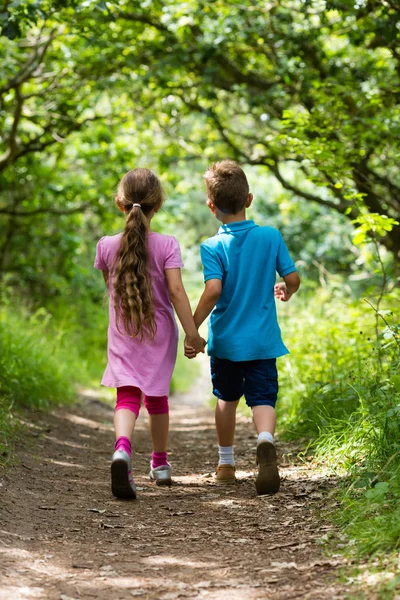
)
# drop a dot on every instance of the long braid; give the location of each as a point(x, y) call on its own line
point(133, 290)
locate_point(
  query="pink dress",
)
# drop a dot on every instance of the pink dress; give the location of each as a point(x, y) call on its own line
point(147, 365)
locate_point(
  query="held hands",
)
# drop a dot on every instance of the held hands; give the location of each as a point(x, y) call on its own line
point(281, 292)
point(193, 345)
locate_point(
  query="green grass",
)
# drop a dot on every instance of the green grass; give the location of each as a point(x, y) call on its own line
point(340, 388)
point(37, 365)
point(8, 430)
point(38, 369)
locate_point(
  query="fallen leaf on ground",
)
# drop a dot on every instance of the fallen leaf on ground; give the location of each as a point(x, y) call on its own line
point(284, 565)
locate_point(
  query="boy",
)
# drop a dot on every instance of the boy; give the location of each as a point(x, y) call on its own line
point(240, 264)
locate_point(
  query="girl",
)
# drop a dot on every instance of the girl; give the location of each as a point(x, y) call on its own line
point(141, 270)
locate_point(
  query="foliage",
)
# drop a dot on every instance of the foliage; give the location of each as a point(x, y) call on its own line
point(341, 389)
point(37, 369)
point(288, 87)
point(296, 84)
point(8, 430)
point(372, 225)
point(370, 514)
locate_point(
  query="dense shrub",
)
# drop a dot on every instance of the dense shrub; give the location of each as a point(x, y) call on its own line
point(340, 388)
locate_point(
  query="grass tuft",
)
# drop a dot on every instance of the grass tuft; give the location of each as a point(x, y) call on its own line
point(340, 388)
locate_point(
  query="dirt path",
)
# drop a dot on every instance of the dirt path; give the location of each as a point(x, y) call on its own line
point(63, 536)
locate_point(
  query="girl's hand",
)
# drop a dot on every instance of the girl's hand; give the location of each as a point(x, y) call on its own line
point(189, 351)
point(281, 292)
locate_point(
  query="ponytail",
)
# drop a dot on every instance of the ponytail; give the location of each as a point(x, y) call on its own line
point(139, 194)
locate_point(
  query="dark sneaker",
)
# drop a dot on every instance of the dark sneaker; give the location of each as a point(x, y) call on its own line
point(225, 474)
point(268, 480)
point(122, 484)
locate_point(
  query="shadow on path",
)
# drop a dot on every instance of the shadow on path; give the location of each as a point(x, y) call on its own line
point(64, 537)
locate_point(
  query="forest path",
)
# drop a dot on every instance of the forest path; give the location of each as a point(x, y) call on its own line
point(64, 537)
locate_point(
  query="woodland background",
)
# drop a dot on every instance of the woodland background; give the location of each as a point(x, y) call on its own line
point(306, 95)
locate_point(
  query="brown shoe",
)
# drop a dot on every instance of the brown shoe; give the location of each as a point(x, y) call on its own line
point(268, 480)
point(225, 474)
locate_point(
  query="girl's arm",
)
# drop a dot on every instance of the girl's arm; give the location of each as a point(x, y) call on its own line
point(180, 302)
point(106, 276)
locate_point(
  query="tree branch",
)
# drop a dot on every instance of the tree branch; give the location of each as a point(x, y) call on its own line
point(306, 195)
point(142, 18)
point(33, 62)
point(37, 211)
point(254, 80)
point(17, 116)
point(385, 181)
point(36, 145)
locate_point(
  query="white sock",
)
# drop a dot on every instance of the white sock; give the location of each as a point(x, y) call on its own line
point(226, 455)
point(265, 436)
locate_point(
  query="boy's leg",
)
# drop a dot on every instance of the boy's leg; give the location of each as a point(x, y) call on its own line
point(264, 418)
point(225, 421)
point(158, 409)
point(228, 388)
point(261, 390)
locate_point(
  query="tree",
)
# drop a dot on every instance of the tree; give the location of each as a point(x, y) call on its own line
point(311, 85)
point(307, 90)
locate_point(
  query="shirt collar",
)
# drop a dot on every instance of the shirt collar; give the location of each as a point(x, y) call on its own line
point(237, 226)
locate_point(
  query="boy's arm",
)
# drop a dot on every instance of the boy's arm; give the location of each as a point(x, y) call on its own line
point(207, 302)
point(181, 304)
point(284, 291)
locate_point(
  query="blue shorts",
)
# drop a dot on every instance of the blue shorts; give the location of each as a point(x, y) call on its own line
point(256, 379)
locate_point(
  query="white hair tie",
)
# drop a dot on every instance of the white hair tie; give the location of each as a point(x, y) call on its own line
point(136, 205)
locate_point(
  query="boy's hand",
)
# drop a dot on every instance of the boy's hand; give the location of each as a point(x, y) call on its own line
point(193, 345)
point(281, 292)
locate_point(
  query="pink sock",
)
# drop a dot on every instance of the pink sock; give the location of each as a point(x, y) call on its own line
point(159, 459)
point(123, 443)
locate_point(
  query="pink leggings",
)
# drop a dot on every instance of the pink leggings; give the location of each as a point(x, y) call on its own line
point(129, 397)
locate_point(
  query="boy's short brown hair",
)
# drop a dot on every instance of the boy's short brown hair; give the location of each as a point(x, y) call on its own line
point(227, 186)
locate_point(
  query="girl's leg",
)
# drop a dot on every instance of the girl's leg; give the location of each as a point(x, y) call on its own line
point(125, 415)
point(157, 407)
point(124, 425)
point(159, 427)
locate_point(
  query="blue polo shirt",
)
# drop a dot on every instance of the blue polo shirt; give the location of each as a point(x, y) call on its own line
point(246, 257)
